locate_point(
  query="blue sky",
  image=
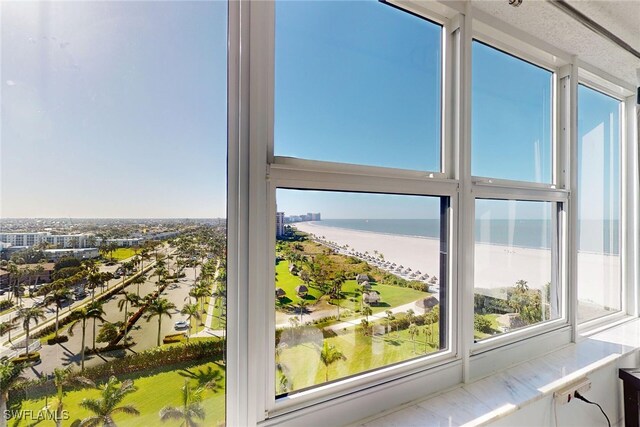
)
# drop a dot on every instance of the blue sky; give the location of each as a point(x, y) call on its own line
point(118, 109)
point(113, 109)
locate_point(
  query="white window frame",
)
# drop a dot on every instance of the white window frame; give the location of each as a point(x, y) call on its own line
point(254, 174)
point(612, 87)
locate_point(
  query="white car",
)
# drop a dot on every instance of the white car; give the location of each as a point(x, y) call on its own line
point(181, 324)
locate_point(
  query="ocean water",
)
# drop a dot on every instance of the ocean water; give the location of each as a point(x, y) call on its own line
point(595, 236)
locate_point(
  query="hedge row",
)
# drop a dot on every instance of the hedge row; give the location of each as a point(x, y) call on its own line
point(158, 356)
point(6, 304)
point(157, 359)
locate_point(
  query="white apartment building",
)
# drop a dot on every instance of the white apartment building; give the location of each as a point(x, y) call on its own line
point(279, 223)
point(34, 238)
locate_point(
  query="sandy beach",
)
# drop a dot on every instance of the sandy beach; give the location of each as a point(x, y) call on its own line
point(495, 265)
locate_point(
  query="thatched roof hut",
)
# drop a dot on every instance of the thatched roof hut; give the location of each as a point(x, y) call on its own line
point(280, 293)
point(426, 304)
point(302, 290)
point(362, 277)
point(371, 297)
point(366, 285)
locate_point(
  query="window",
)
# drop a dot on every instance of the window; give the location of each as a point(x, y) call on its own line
point(518, 241)
point(125, 320)
point(357, 283)
point(599, 269)
point(511, 117)
point(365, 123)
point(367, 92)
point(513, 272)
point(362, 253)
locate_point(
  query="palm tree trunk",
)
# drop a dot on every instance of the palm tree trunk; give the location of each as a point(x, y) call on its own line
point(93, 346)
point(57, 311)
point(84, 330)
point(159, 328)
point(4, 396)
point(27, 343)
point(126, 319)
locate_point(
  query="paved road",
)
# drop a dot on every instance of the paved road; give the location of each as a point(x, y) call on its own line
point(144, 333)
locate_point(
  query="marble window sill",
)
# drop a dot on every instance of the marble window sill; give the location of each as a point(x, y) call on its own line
point(496, 396)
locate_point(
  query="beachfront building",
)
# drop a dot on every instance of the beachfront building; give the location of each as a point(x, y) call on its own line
point(279, 224)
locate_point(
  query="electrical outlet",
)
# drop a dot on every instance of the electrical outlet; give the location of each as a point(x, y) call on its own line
point(567, 394)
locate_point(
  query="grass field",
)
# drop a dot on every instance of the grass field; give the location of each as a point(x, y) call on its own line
point(391, 296)
point(122, 253)
point(288, 282)
point(153, 393)
point(303, 368)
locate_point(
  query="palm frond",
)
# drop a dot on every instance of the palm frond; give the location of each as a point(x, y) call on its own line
point(93, 405)
point(91, 421)
point(171, 413)
point(127, 409)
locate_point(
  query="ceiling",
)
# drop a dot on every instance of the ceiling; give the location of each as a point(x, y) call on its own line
point(546, 22)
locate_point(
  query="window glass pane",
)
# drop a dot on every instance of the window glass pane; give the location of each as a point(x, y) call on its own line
point(513, 276)
point(113, 229)
point(357, 283)
point(511, 117)
point(599, 284)
point(357, 82)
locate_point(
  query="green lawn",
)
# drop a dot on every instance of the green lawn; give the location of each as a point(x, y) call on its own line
point(123, 253)
point(288, 282)
point(154, 392)
point(391, 296)
point(362, 353)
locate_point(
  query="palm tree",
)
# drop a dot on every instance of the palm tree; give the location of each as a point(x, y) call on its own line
point(95, 305)
point(160, 307)
point(10, 374)
point(390, 317)
point(190, 410)
point(138, 280)
point(199, 293)
point(61, 378)
point(14, 272)
point(192, 312)
point(6, 328)
point(367, 311)
point(328, 356)
point(338, 282)
point(413, 331)
point(81, 316)
point(127, 297)
point(105, 407)
point(302, 304)
point(28, 315)
point(58, 297)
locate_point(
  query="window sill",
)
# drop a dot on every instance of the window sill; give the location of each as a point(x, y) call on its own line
point(489, 399)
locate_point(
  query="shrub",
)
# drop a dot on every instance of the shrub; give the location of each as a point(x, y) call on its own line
point(31, 358)
point(482, 324)
point(158, 357)
point(5, 305)
point(54, 340)
point(106, 348)
point(173, 338)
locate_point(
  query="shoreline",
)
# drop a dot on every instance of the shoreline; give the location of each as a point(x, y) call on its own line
point(515, 263)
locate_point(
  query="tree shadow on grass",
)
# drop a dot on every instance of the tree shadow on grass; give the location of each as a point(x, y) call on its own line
point(207, 378)
point(284, 301)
